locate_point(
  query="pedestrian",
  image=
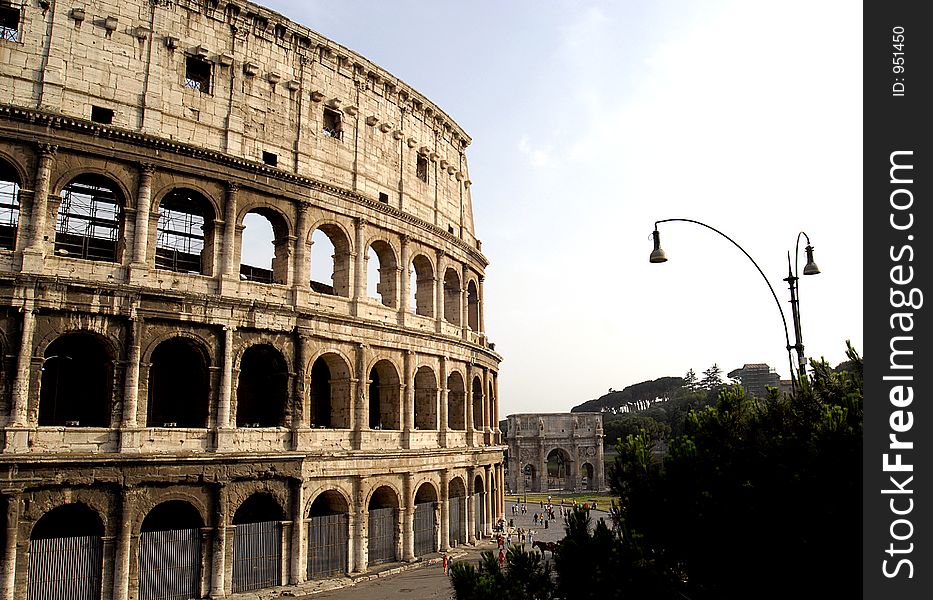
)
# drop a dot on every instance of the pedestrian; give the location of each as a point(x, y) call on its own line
point(546, 524)
point(446, 562)
point(501, 558)
point(531, 538)
point(535, 519)
point(508, 539)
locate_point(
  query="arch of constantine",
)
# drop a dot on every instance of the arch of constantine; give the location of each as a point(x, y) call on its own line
point(555, 452)
point(179, 418)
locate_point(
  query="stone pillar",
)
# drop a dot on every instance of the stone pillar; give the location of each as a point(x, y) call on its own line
point(359, 410)
point(301, 279)
point(464, 302)
point(408, 518)
point(143, 208)
point(497, 438)
point(34, 253)
point(20, 406)
point(226, 391)
point(468, 405)
point(445, 511)
point(358, 528)
point(299, 558)
point(488, 499)
point(408, 399)
point(439, 291)
point(129, 431)
point(229, 276)
point(219, 558)
point(487, 409)
point(479, 308)
point(359, 275)
point(405, 281)
point(442, 396)
point(301, 419)
point(470, 507)
point(124, 541)
point(8, 585)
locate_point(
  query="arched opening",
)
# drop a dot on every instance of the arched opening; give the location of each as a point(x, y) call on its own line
point(472, 306)
point(330, 261)
point(456, 402)
point(382, 273)
point(558, 470)
point(328, 536)
point(90, 220)
point(262, 388)
point(179, 385)
point(257, 543)
point(170, 552)
point(529, 479)
point(587, 477)
point(456, 513)
point(185, 233)
point(423, 288)
point(77, 382)
point(9, 205)
point(479, 507)
point(426, 521)
point(264, 247)
point(384, 397)
point(383, 526)
point(330, 392)
point(65, 558)
point(425, 399)
point(452, 297)
point(479, 418)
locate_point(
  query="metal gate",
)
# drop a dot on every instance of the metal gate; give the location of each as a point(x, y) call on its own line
point(381, 535)
point(65, 568)
point(425, 529)
point(327, 545)
point(170, 564)
point(257, 555)
point(479, 512)
point(457, 509)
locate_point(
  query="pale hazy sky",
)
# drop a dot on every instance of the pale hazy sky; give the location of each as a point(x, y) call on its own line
point(590, 121)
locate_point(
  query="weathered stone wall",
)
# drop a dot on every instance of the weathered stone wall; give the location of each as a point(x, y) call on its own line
point(270, 82)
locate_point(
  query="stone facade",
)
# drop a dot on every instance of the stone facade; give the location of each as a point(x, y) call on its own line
point(153, 381)
point(555, 452)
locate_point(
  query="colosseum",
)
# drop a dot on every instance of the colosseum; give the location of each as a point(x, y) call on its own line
point(179, 419)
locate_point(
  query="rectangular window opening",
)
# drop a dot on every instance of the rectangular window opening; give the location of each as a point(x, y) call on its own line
point(383, 197)
point(421, 168)
point(103, 115)
point(332, 122)
point(9, 23)
point(270, 158)
point(198, 74)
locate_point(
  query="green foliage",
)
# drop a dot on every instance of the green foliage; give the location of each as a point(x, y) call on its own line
point(523, 578)
point(755, 497)
point(638, 395)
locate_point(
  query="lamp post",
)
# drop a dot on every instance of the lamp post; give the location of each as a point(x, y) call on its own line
point(809, 269)
point(658, 256)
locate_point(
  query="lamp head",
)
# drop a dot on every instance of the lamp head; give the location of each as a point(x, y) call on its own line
point(810, 268)
point(657, 255)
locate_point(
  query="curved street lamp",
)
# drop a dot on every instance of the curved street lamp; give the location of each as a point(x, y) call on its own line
point(659, 256)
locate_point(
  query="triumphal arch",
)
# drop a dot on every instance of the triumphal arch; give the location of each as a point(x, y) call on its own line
point(555, 452)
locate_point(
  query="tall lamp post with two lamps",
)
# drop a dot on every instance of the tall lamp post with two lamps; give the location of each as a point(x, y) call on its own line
point(659, 256)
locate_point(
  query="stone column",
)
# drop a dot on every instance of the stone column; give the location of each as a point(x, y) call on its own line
point(479, 308)
point(226, 391)
point(405, 283)
point(439, 291)
point(408, 399)
point(488, 499)
point(302, 417)
point(495, 408)
point(408, 518)
point(468, 405)
point(359, 409)
point(464, 302)
point(301, 280)
point(358, 528)
point(445, 511)
point(34, 253)
point(487, 408)
point(19, 409)
point(8, 585)
point(121, 567)
point(229, 276)
point(143, 208)
point(359, 275)
point(299, 557)
point(470, 507)
point(442, 397)
point(129, 436)
point(219, 558)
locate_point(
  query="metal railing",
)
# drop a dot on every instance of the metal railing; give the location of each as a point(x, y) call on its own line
point(257, 555)
point(328, 542)
point(170, 564)
point(425, 528)
point(65, 568)
point(382, 535)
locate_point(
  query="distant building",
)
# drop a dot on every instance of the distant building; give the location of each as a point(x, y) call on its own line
point(756, 378)
point(555, 451)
